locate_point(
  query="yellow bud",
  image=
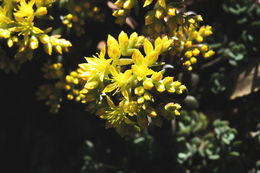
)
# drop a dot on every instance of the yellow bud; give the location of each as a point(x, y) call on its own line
point(70, 97)
point(74, 74)
point(162, 3)
point(176, 84)
point(57, 66)
point(147, 2)
point(204, 48)
point(148, 84)
point(58, 49)
point(44, 38)
point(68, 79)
point(140, 100)
point(76, 81)
point(139, 91)
point(159, 13)
point(168, 80)
point(67, 87)
point(10, 42)
point(157, 76)
point(196, 52)
point(191, 20)
point(171, 106)
point(195, 34)
point(193, 60)
point(83, 101)
point(188, 44)
point(188, 54)
point(182, 87)
point(15, 39)
point(209, 54)
point(34, 42)
point(147, 96)
point(160, 87)
point(171, 89)
point(120, 12)
point(171, 11)
point(65, 22)
point(187, 63)
point(177, 113)
point(84, 91)
point(91, 85)
point(128, 4)
point(75, 92)
point(41, 11)
point(69, 16)
point(133, 39)
point(199, 38)
point(152, 113)
point(4, 33)
point(208, 32)
point(96, 9)
point(78, 99)
point(189, 68)
point(199, 18)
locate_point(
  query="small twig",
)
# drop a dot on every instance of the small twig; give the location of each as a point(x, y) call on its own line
point(211, 63)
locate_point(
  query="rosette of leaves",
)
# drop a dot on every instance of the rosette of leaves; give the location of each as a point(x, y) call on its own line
point(234, 53)
point(205, 147)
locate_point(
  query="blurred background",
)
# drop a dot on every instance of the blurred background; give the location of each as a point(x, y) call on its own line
point(218, 131)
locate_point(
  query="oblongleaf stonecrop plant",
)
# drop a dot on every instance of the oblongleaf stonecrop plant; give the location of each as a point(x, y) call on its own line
point(121, 84)
point(124, 83)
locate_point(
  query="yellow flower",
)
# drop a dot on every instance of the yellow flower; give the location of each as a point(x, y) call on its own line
point(3, 15)
point(96, 67)
point(113, 49)
point(25, 11)
point(147, 2)
point(120, 82)
point(141, 68)
point(117, 114)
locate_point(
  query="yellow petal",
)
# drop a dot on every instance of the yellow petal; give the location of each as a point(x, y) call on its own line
point(109, 88)
point(162, 3)
point(113, 71)
point(147, 2)
point(151, 58)
point(110, 102)
point(148, 47)
point(123, 40)
point(138, 57)
point(125, 61)
point(125, 93)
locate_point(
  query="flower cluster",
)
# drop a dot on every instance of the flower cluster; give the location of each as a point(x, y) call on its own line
point(73, 85)
point(123, 80)
point(17, 26)
point(80, 11)
point(52, 93)
point(189, 46)
point(123, 10)
point(170, 19)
